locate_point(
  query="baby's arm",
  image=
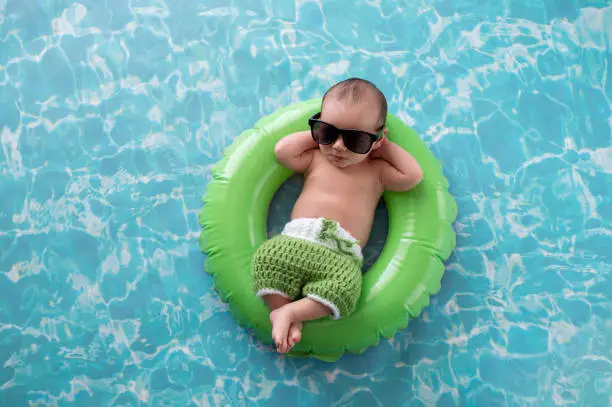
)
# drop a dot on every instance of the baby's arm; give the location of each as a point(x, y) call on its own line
point(399, 171)
point(296, 150)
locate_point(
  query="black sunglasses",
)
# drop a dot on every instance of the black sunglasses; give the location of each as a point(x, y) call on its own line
point(357, 141)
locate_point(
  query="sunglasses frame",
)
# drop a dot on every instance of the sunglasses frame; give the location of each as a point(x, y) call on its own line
point(341, 132)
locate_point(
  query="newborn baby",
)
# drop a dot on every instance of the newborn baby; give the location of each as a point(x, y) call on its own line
point(313, 269)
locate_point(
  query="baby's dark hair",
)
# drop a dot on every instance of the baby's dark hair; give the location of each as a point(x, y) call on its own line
point(354, 89)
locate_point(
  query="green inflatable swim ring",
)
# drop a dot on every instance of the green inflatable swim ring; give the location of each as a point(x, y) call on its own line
point(396, 288)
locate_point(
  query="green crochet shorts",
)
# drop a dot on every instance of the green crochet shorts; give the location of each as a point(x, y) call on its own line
point(313, 258)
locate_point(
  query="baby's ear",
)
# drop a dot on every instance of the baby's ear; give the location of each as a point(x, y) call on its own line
point(381, 140)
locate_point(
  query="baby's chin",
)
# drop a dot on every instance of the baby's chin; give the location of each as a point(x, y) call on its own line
point(343, 162)
point(340, 163)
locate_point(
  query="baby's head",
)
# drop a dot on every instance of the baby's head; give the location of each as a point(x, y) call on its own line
point(353, 104)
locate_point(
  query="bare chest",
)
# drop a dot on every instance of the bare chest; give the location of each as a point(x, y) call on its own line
point(354, 180)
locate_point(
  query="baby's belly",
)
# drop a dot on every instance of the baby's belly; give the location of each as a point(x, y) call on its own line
point(356, 217)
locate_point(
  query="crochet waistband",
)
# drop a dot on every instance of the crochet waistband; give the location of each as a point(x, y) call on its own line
point(326, 233)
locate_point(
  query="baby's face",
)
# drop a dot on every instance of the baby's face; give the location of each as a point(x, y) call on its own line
point(345, 115)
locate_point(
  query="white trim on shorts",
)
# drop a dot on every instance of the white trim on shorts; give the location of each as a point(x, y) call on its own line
point(272, 291)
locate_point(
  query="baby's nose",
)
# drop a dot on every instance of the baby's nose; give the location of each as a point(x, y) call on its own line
point(339, 144)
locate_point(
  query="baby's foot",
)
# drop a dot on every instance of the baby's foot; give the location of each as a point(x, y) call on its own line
point(295, 334)
point(281, 322)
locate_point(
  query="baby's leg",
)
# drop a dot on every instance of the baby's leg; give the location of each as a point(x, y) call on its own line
point(275, 301)
point(285, 317)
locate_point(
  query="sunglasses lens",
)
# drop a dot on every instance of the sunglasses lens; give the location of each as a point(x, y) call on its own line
point(358, 142)
point(324, 134)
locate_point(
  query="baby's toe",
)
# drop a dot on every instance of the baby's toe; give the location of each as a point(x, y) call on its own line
point(295, 333)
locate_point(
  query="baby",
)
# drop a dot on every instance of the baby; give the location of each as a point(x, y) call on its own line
point(348, 163)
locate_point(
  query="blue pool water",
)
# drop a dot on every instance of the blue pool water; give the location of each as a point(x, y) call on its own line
point(112, 113)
